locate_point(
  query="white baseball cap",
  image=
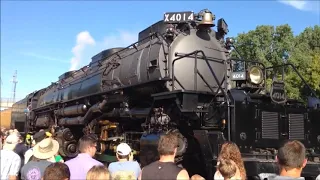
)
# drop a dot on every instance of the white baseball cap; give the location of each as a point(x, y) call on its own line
point(123, 149)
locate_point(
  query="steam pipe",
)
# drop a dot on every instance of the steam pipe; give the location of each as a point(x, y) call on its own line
point(95, 108)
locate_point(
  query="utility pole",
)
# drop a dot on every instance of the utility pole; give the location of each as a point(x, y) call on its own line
point(14, 81)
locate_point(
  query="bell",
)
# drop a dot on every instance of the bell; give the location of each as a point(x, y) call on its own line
point(207, 19)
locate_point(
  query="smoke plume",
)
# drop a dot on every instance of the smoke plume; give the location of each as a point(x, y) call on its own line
point(83, 39)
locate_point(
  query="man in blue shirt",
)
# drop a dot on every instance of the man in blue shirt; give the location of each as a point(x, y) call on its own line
point(125, 167)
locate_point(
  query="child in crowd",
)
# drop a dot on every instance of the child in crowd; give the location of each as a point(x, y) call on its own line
point(57, 171)
point(98, 173)
point(228, 169)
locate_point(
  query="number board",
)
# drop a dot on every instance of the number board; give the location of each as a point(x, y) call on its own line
point(178, 17)
point(238, 76)
point(278, 93)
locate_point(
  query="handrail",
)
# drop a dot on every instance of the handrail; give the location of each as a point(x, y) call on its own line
point(196, 71)
point(237, 59)
point(295, 69)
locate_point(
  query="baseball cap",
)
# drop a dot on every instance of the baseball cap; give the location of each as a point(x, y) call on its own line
point(123, 149)
point(39, 136)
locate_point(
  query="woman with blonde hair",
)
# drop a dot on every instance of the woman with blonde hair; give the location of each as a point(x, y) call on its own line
point(230, 150)
point(98, 173)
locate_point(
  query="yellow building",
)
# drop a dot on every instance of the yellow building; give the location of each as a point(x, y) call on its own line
point(5, 118)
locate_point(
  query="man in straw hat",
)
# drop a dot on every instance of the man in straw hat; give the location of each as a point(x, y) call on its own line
point(43, 153)
point(10, 161)
point(39, 136)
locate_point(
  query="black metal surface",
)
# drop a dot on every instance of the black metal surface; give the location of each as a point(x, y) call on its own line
point(209, 143)
point(258, 166)
point(104, 54)
point(72, 110)
point(258, 123)
point(71, 121)
point(42, 122)
point(67, 142)
point(196, 71)
point(158, 27)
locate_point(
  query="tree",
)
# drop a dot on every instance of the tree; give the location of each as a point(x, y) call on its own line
point(306, 57)
point(267, 44)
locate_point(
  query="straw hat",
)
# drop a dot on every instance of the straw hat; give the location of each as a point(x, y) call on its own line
point(15, 131)
point(46, 148)
point(11, 141)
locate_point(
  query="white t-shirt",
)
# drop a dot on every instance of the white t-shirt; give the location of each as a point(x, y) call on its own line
point(27, 155)
point(10, 163)
point(125, 169)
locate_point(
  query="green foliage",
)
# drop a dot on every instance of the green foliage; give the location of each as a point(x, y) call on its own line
point(267, 44)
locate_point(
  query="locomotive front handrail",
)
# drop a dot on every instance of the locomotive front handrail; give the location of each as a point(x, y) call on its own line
point(295, 69)
point(237, 59)
point(196, 71)
point(226, 97)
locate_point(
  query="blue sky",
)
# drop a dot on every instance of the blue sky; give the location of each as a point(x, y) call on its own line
point(41, 39)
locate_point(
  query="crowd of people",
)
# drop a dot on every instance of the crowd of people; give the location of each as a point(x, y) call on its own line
point(42, 160)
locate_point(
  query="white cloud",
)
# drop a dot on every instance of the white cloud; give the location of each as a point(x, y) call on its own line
point(83, 53)
point(303, 5)
point(83, 39)
point(296, 4)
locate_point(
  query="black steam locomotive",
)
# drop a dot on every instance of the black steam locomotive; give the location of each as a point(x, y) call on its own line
point(179, 77)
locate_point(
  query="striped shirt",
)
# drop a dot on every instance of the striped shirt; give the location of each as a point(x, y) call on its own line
point(10, 163)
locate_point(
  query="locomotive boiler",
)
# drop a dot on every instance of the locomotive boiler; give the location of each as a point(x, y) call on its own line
point(178, 77)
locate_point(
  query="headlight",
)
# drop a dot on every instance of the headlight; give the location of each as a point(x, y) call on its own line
point(255, 75)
